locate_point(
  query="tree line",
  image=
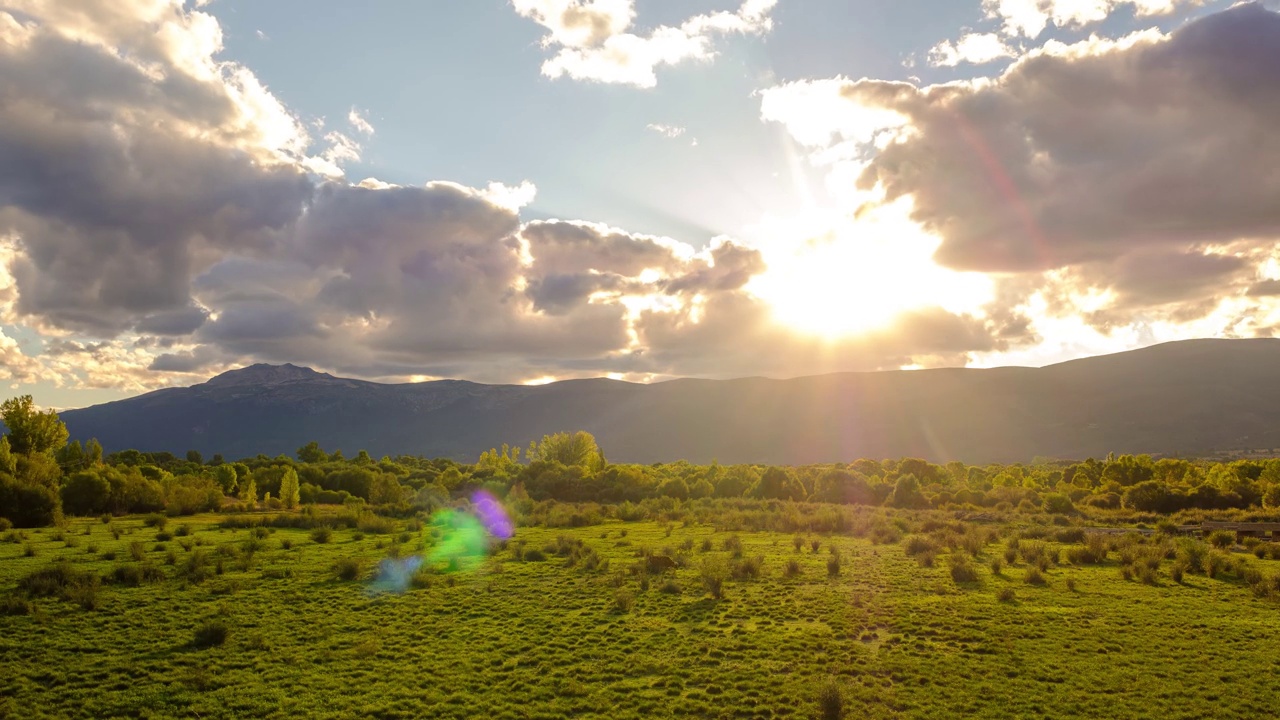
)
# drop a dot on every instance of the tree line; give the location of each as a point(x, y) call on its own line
point(43, 477)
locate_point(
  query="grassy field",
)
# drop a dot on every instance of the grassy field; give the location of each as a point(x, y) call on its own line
point(582, 634)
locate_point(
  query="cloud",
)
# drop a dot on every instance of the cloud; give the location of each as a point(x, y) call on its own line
point(668, 131)
point(592, 42)
point(1029, 18)
point(973, 48)
point(358, 122)
point(162, 215)
point(1085, 153)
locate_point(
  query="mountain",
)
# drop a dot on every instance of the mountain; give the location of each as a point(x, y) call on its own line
point(1192, 398)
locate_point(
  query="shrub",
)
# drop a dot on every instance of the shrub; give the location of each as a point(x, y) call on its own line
point(1071, 584)
point(1033, 576)
point(155, 520)
point(918, 545)
point(29, 550)
point(134, 575)
point(210, 634)
point(534, 555)
point(962, 569)
point(623, 600)
point(833, 566)
point(286, 544)
point(62, 580)
point(137, 551)
point(926, 558)
point(1011, 555)
point(814, 545)
point(831, 700)
point(321, 534)
point(348, 569)
point(732, 545)
point(997, 566)
point(746, 568)
point(163, 536)
point(375, 525)
point(714, 571)
point(1222, 539)
point(5, 524)
point(793, 569)
point(1006, 595)
point(1176, 571)
point(797, 542)
point(1069, 535)
point(669, 587)
point(14, 605)
point(182, 530)
point(705, 545)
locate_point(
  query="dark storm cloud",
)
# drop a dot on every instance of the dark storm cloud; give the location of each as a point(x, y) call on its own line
point(173, 322)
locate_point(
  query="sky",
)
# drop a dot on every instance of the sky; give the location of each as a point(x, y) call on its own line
point(520, 191)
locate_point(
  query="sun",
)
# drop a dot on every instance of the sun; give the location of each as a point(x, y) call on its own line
point(849, 277)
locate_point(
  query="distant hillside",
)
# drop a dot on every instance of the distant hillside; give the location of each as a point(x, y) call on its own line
point(1192, 397)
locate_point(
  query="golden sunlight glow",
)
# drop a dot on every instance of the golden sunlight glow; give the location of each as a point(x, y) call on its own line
point(835, 276)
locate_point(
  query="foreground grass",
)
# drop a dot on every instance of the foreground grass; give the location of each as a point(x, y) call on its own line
point(515, 638)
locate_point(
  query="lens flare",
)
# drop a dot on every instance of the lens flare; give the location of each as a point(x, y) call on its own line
point(492, 515)
point(462, 543)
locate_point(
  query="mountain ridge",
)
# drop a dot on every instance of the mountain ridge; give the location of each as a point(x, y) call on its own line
point(1188, 397)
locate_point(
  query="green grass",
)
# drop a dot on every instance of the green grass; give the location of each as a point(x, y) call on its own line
point(546, 639)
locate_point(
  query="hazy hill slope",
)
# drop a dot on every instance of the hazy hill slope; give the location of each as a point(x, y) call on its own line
point(1189, 397)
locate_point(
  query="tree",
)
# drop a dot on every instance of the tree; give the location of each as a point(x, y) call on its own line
point(86, 493)
point(194, 456)
point(289, 489)
point(778, 484)
point(576, 450)
point(674, 488)
point(906, 493)
point(311, 453)
point(8, 463)
point(226, 477)
point(93, 452)
point(249, 492)
point(32, 431)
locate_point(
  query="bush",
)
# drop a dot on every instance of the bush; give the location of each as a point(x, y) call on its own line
point(732, 545)
point(746, 568)
point(163, 536)
point(833, 566)
point(918, 545)
point(831, 700)
point(182, 530)
point(134, 575)
point(1006, 595)
point(623, 600)
point(714, 571)
point(1222, 539)
point(669, 587)
point(1071, 584)
point(14, 605)
point(1034, 577)
point(962, 569)
point(705, 546)
point(321, 534)
point(534, 555)
point(1176, 572)
point(5, 524)
point(348, 569)
point(793, 569)
point(997, 566)
point(64, 581)
point(210, 634)
point(155, 520)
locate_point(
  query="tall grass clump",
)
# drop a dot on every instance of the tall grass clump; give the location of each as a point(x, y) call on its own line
point(831, 700)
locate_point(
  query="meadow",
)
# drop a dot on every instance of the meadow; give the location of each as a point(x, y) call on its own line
point(900, 615)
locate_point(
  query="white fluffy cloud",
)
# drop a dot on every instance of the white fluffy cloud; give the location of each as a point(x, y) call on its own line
point(591, 39)
point(972, 48)
point(1029, 18)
